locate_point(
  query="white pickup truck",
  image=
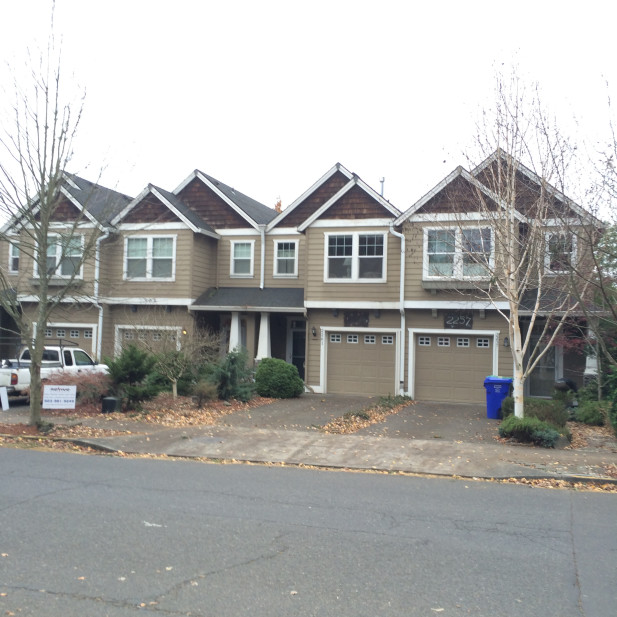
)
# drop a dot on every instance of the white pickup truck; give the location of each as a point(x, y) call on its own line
point(15, 374)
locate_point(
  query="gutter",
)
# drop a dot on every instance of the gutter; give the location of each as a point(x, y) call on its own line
point(401, 309)
point(97, 273)
point(262, 277)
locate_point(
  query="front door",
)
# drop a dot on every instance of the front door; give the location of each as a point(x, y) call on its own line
point(541, 382)
point(298, 349)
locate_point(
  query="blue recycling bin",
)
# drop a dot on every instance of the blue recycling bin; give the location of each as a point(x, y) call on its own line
point(497, 388)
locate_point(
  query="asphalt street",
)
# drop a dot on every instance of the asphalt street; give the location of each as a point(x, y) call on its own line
point(107, 536)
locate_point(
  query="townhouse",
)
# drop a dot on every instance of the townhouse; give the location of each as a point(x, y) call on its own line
point(360, 296)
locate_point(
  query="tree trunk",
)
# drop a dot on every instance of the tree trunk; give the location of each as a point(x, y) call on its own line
point(35, 393)
point(174, 388)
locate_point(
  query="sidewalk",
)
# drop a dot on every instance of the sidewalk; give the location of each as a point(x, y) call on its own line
point(419, 439)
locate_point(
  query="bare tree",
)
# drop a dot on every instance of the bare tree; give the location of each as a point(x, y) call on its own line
point(49, 242)
point(519, 249)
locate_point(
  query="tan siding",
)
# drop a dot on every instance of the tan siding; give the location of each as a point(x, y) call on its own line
point(300, 279)
point(318, 289)
point(224, 278)
point(203, 265)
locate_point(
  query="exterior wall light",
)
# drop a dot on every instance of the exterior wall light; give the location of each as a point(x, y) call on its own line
point(314, 331)
point(506, 342)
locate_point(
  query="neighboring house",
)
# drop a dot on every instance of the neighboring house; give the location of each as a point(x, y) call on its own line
point(360, 297)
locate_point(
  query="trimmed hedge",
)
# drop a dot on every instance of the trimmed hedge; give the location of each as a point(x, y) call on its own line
point(592, 413)
point(278, 379)
point(529, 430)
point(551, 411)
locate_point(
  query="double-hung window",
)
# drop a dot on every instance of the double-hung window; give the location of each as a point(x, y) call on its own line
point(286, 258)
point(560, 252)
point(457, 253)
point(64, 256)
point(150, 258)
point(14, 258)
point(355, 257)
point(242, 258)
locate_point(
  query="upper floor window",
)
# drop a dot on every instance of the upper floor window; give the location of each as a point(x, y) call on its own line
point(65, 256)
point(355, 257)
point(457, 253)
point(14, 258)
point(242, 258)
point(150, 257)
point(560, 252)
point(286, 258)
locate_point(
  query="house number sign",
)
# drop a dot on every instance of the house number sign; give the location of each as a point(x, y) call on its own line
point(458, 319)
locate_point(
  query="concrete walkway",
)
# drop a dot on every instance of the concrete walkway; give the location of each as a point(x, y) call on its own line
point(424, 438)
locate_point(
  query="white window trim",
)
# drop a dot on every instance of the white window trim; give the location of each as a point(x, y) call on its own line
point(252, 259)
point(547, 256)
point(12, 246)
point(149, 258)
point(294, 274)
point(355, 258)
point(57, 274)
point(458, 254)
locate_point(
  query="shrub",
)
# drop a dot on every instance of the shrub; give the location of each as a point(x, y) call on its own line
point(529, 430)
point(592, 412)
point(205, 391)
point(278, 379)
point(91, 387)
point(612, 413)
point(551, 411)
point(129, 372)
point(232, 376)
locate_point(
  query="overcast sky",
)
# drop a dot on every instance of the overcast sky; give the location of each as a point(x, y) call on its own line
point(267, 95)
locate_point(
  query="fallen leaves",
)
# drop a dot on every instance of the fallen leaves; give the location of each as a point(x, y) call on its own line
point(354, 421)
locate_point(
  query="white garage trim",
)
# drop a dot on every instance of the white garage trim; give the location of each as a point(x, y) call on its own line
point(411, 367)
point(323, 371)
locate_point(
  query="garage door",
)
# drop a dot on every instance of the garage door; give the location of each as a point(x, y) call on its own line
point(361, 363)
point(452, 368)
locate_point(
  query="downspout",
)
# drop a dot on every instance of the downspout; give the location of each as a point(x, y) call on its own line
point(401, 308)
point(97, 273)
point(262, 278)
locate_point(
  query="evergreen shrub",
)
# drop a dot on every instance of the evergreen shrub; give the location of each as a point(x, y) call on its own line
point(278, 379)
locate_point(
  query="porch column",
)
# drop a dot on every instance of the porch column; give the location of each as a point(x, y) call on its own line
point(235, 336)
point(263, 346)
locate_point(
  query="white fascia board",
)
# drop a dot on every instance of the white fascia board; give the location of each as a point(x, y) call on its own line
point(65, 300)
point(501, 305)
point(308, 192)
point(452, 217)
point(151, 226)
point(68, 180)
point(350, 304)
point(228, 201)
point(186, 181)
point(130, 206)
point(284, 231)
point(142, 301)
point(80, 206)
point(247, 309)
point(238, 232)
point(342, 191)
point(353, 223)
point(171, 207)
point(377, 197)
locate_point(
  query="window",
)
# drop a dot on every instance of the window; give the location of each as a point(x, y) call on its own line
point(242, 259)
point(443, 341)
point(14, 258)
point(355, 257)
point(457, 253)
point(82, 358)
point(48, 333)
point(60, 332)
point(424, 341)
point(561, 252)
point(286, 258)
point(87, 333)
point(150, 257)
point(157, 336)
point(74, 333)
point(482, 342)
point(129, 335)
point(370, 339)
point(64, 256)
point(387, 339)
point(462, 342)
point(352, 338)
point(335, 338)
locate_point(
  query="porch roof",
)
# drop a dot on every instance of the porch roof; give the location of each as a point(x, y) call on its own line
point(251, 299)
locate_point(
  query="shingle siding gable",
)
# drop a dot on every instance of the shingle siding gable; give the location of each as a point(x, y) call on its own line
point(150, 210)
point(356, 204)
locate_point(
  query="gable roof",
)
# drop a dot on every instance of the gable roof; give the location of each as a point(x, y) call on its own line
point(459, 172)
point(337, 167)
point(537, 180)
point(175, 204)
point(252, 211)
